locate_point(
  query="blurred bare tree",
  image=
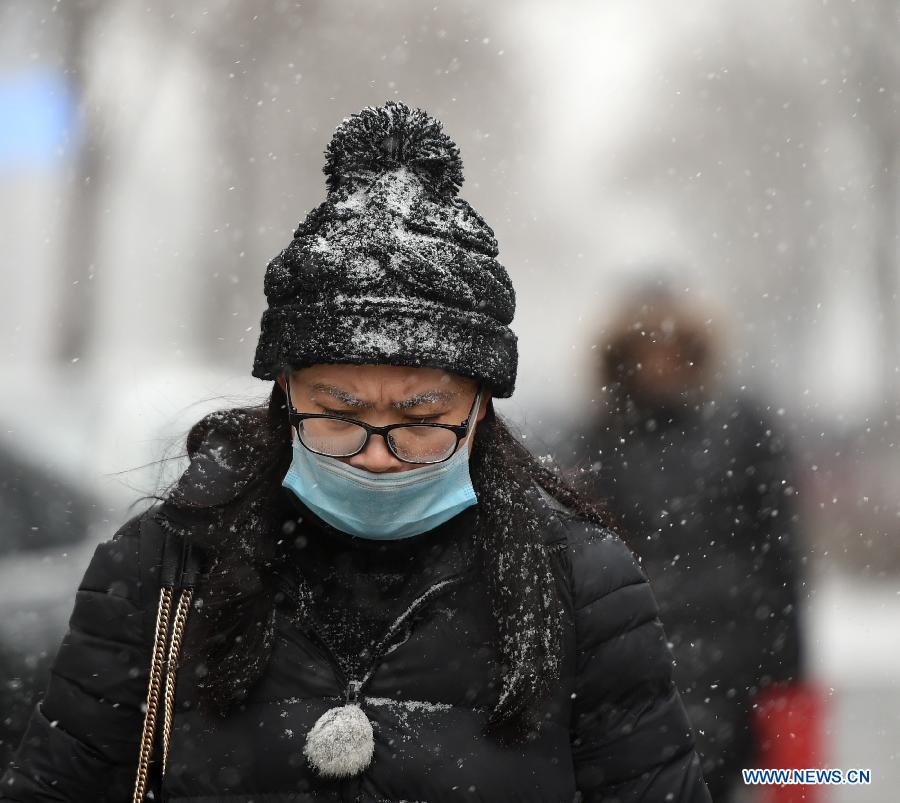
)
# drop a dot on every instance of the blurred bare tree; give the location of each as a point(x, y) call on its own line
point(83, 204)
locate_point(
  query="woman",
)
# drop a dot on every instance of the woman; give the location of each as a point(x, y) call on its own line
point(379, 613)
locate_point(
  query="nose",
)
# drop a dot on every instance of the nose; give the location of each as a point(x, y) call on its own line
point(377, 458)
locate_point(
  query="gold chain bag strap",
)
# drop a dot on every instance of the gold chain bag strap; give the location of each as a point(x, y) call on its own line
point(177, 571)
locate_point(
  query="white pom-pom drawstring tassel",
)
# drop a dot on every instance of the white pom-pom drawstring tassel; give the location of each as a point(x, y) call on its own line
point(341, 743)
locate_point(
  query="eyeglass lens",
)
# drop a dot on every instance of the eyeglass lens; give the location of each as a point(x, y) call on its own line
point(417, 444)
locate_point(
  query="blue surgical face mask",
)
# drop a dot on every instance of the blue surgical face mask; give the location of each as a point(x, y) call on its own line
point(385, 506)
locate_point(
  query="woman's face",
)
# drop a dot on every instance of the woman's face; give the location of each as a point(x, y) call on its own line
point(385, 394)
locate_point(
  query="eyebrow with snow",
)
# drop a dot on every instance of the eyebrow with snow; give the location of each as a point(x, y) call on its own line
point(433, 396)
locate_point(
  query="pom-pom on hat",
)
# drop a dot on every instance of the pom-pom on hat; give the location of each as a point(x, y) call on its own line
point(393, 267)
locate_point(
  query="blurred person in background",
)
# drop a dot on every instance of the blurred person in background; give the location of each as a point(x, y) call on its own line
point(366, 614)
point(701, 480)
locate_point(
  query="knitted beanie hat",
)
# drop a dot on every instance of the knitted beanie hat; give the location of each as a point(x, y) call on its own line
point(392, 267)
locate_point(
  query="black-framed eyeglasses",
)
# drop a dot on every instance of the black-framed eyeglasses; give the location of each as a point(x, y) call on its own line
point(337, 436)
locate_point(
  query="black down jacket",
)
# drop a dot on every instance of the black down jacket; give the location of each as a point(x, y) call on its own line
point(708, 498)
point(615, 729)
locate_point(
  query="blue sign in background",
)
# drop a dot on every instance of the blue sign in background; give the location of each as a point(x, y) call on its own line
point(37, 115)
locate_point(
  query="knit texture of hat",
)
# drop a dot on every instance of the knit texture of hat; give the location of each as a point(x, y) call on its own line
point(392, 267)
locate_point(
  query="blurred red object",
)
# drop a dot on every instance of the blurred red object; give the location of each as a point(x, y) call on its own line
point(788, 724)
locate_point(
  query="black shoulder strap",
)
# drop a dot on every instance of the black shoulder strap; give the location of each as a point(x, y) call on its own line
point(166, 556)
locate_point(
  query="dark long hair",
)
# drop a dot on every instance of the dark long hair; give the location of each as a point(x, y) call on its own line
point(232, 642)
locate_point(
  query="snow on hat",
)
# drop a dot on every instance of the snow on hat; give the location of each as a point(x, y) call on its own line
point(392, 267)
